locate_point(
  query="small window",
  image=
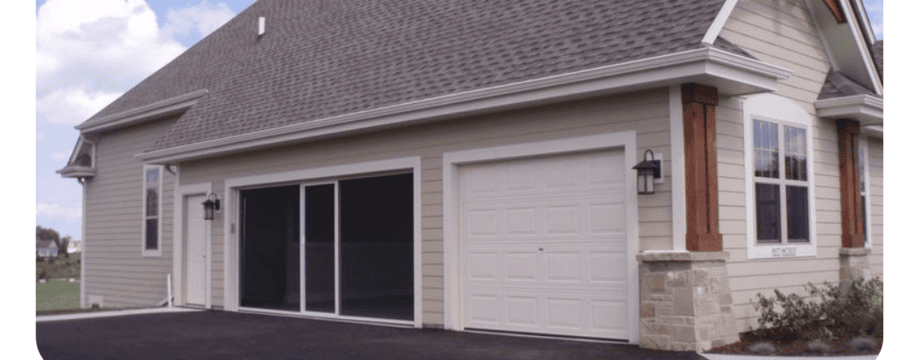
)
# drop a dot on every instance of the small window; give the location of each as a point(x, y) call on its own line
point(152, 209)
point(864, 188)
point(780, 183)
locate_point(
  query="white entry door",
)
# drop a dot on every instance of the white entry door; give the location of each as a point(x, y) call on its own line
point(544, 245)
point(196, 257)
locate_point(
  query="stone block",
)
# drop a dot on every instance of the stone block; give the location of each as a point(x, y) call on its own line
point(654, 342)
point(647, 310)
point(683, 333)
point(683, 302)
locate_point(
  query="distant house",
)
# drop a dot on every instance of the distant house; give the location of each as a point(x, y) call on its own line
point(45, 249)
point(472, 165)
point(74, 246)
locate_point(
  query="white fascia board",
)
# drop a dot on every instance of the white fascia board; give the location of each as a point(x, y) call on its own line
point(147, 112)
point(867, 109)
point(722, 18)
point(732, 74)
point(862, 46)
point(864, 20)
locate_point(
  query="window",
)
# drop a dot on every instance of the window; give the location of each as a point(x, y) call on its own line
point(864, 188)
point(152, 209)
point(779, 178)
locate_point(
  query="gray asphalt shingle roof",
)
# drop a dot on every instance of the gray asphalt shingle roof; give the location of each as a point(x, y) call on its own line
point(877, 53)
point(839, 85)
point(322, 58)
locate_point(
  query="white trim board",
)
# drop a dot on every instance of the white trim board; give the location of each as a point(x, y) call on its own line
point(453, 160)
point(330, 173)
point(732, 74)
point(867, 109)
point(144, 113)
point(677, 169)
point(178, 242)
point(722, 18)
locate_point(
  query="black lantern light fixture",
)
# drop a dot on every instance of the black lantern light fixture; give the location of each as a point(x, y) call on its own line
point(648, 170)
point(211, 205)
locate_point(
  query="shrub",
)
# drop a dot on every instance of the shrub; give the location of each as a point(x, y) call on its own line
point(836, 312)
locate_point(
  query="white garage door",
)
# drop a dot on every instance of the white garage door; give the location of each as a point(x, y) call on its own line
point(544, 245)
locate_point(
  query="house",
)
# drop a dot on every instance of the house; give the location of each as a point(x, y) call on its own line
point(45, 249)
point(74, 246)
point(470, 165)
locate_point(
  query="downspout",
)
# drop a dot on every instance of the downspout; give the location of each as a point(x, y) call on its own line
point(82, 182)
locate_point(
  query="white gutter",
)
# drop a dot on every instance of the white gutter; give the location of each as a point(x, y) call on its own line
point(732, 74)
point(867, 109)
point(718, 23)
point(148, 112)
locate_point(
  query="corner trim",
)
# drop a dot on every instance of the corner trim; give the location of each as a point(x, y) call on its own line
point(144, 113)
point(677, 169)
point(705, 65)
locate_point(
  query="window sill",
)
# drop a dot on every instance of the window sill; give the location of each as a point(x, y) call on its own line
point(778, 251)
point(151, 253)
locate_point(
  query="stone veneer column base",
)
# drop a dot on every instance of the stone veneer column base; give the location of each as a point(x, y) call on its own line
point(853, 264)
point(685, 301)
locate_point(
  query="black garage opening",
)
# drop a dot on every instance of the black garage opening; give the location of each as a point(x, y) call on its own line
point(269, 248)
point(358, 247)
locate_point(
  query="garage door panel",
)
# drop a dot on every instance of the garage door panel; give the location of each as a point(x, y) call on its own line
point(544, 245)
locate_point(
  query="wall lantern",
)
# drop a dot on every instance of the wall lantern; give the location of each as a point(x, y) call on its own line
point(648, 170)
point(210, 205)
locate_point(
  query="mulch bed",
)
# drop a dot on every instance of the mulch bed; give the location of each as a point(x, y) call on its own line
point(793, 347)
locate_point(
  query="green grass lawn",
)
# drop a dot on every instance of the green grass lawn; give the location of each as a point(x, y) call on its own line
point(57, 294)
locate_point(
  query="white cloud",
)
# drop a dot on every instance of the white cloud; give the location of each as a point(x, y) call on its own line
point(70, 213)
point(72, 106)
point(101, 44)
point(61, 155)
point(203, 18)
point(39, 137)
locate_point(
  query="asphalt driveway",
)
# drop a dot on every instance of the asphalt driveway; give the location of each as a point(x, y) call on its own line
point(228, 335)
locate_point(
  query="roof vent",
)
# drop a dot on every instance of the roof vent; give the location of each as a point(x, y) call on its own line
point(261, 25)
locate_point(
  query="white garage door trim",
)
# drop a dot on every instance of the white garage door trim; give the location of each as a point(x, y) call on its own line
point(453, 160)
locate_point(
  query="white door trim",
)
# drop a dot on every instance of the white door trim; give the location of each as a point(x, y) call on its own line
point(178, 248)
point(453, 160)
point(231, 215)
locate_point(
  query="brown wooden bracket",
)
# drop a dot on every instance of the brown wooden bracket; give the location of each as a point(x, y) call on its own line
point(836, 9)
point(853, 232)
point(702, 233)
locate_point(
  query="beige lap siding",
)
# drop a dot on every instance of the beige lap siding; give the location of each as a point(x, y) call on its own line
point(780, 33)
point(645, 112)
point(114, 266)
point(876, 182)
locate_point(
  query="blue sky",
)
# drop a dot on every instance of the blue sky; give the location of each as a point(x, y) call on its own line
point(91, 51)
point(88, 52)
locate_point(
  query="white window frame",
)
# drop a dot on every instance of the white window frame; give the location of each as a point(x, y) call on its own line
point(159, 213)
point(782, 111)
point(866, 175)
